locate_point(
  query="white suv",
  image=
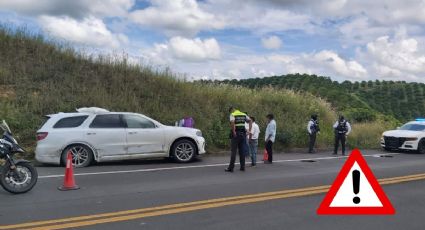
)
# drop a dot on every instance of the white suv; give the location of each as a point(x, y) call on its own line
point(94, 134)
point(410, 136)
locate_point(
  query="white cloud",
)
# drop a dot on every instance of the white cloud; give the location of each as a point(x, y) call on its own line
point(256, 16)
point(190, 50)
point(386, 12)
point(325, 62)
point(109, 8)
point(389, 12)
point(313, 7)
point(346, 68)
point(360, 30)
point(398, 58)
point(75, 8)
point(270, 21)
point(176, 17)
point(271, 43)
point(88, 31)
point(401, 54)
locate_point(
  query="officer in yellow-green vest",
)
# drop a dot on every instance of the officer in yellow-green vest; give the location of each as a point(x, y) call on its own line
point(238, 137)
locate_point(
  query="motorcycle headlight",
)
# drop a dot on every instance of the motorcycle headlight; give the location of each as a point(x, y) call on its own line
point(199, 133)
point(3, 150)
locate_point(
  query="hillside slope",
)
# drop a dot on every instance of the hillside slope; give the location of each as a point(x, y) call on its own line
point(364, 100)
point(38, 78)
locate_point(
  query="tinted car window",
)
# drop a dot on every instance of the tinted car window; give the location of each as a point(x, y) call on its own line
point(70, 122)
point(138, 122)
point(45, 119)
point(413, 127)
point(107, 121)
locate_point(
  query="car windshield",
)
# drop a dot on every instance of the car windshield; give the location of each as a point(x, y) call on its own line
point(413, 127)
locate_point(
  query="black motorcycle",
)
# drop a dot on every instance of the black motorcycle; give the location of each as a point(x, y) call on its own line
point(16, 176)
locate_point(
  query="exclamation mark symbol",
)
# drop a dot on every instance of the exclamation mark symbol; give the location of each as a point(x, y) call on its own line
point(356, 185)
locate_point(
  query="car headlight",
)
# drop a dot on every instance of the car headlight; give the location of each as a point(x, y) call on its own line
point(411, 139)
point(199, 133)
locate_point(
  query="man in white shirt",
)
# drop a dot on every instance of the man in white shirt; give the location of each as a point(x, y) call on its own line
point(342, 129)
point(270, 137)
point(253, 141)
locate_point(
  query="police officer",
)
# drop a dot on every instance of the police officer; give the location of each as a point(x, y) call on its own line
point(342, 129)
point(238, 137)
point(312, 129)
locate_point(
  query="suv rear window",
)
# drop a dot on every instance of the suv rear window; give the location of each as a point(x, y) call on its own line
point(107, 121)
point(45, 119)
point(70, 122)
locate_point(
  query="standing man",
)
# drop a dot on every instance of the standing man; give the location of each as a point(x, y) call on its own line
point(313, 128)
point(238, 137)
point(270, 137)
point(342, 129)
point(253, 141)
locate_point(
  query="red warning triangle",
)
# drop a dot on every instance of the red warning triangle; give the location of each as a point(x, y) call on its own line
point(356, 191)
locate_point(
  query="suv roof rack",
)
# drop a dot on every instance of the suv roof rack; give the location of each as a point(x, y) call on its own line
point(94, 110)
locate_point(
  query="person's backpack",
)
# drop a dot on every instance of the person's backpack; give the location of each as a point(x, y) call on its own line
point(188, 122)
point(315, 127)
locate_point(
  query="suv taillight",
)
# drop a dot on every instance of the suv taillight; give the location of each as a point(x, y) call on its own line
point(41, 136)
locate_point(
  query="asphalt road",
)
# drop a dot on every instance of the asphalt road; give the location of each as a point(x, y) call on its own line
point(162, 195)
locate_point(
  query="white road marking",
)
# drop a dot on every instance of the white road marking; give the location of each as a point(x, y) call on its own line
point(202, 166)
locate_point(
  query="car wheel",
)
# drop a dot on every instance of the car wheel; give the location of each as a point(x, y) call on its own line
point(183, 151)
point(421, 146)
point(387, 149)
point(82, 156)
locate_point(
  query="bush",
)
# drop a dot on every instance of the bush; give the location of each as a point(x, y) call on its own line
point(360, 115)
point(366, 135)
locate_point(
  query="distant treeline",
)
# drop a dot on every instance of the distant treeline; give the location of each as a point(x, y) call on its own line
point(362, 101)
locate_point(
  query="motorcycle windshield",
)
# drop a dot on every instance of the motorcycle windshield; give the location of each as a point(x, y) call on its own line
point(5, 126)
point(8, 134)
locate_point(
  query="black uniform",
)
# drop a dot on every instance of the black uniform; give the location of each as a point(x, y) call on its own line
point(238, 142)
point(340, 135)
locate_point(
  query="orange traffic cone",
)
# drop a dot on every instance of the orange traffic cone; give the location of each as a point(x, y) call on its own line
point(69, 182)
point(265, 155)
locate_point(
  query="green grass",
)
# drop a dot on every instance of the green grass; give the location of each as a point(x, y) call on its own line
point(39, 77)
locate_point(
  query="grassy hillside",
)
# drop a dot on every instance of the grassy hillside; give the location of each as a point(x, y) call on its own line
point(39, 77)
point(362, 101)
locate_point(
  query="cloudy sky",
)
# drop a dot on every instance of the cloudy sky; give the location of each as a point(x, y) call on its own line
point(222, 39)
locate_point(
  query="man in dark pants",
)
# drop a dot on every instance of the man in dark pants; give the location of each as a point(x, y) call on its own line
point(238, 137)
point(342, 129)
point(313, 129)
point(270, 137)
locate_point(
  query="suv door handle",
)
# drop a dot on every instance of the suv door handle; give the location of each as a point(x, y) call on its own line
point(132, 133)
point(91, 133)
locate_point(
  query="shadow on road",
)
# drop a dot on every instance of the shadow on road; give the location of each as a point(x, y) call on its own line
point(156, 161)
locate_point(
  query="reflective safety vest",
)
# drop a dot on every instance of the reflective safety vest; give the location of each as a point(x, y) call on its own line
point(240, 120)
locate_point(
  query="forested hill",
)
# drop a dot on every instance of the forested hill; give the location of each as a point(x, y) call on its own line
point(362, 100)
